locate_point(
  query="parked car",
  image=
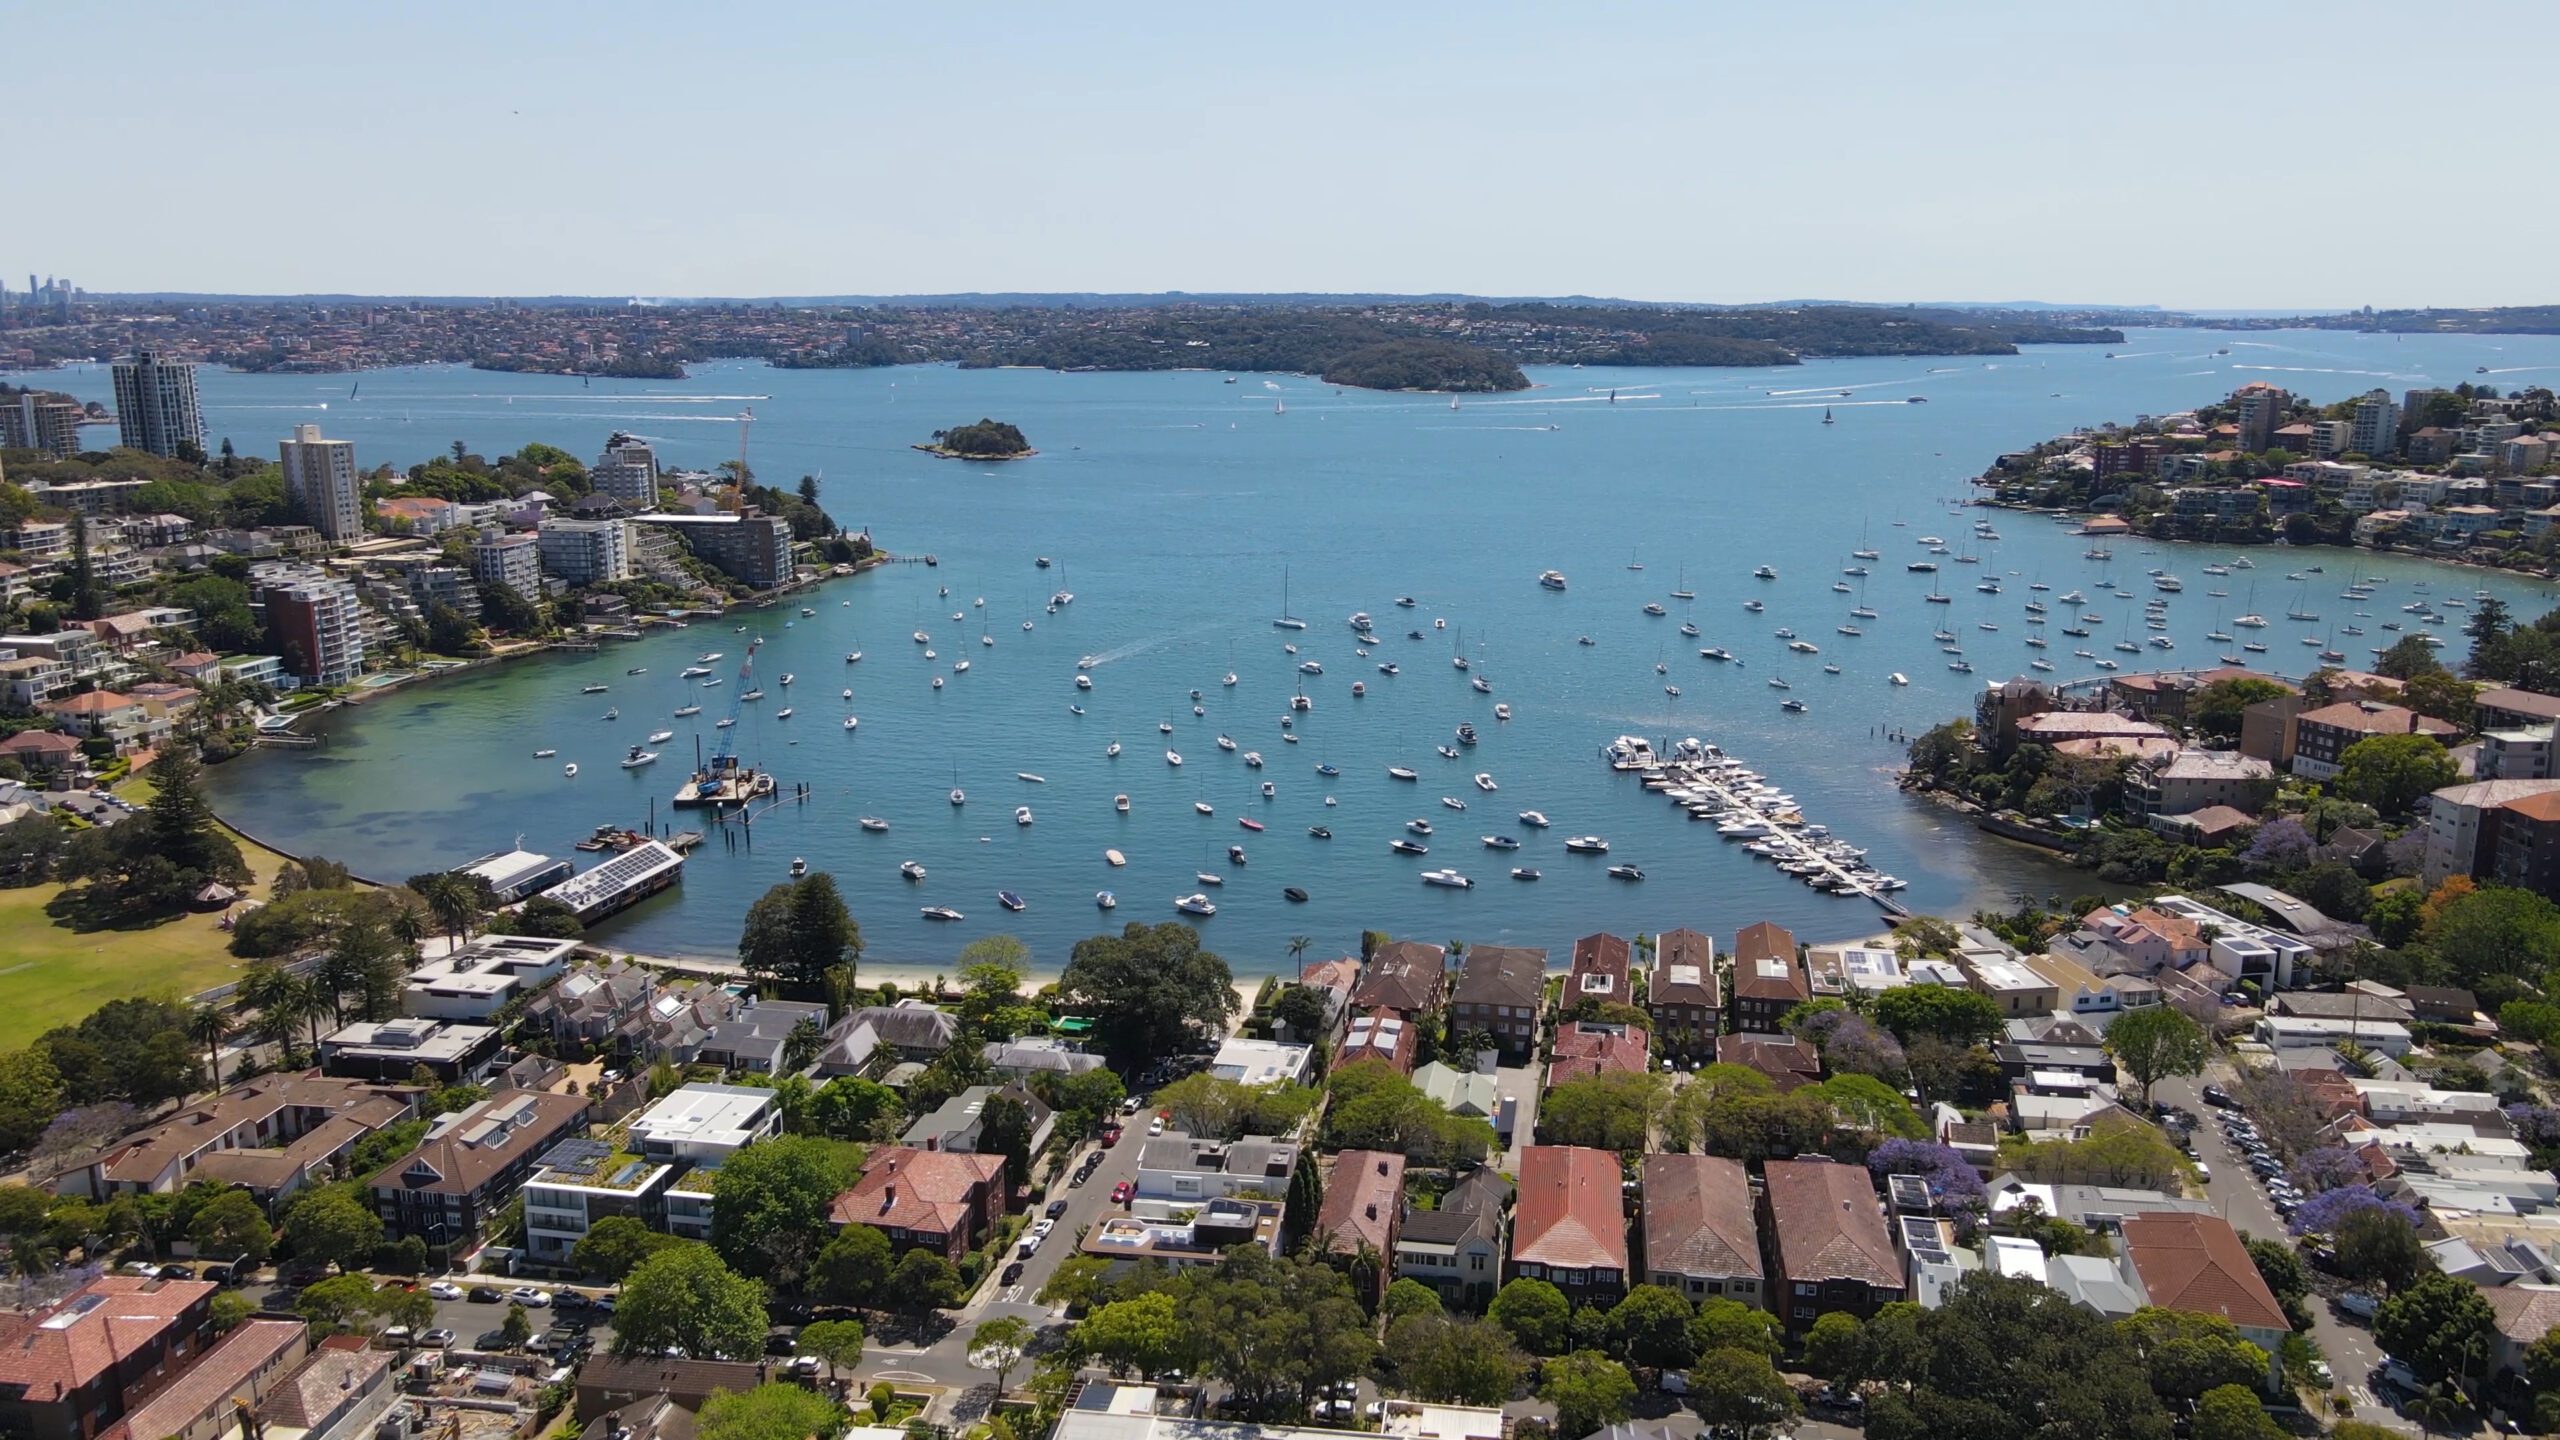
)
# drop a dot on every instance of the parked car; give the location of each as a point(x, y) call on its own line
point(1110, 1136)
point(1029, 1247)
point(484, 1295)
point(218, 1274)
point(1057, 1208)
point(1155, 1127)
point(1040, 1228)
point(1121, 1192)
point(1012, 1274)
point(445, 1290)
point(2217, 1097)
point(2359, 1304)
point(570, 1300)
point(397, 1337)
point(2395, 1375)
point(1133, 1104)
point(530, 1298)
point(177, 1272)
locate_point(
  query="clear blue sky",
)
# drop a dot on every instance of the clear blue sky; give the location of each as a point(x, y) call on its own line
point(2205, 155)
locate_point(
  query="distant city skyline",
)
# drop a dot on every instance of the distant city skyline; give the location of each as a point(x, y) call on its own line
point(2172, 155)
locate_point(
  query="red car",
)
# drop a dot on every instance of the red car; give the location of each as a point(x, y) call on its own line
point(1110, 1137)
point(1121, 1192)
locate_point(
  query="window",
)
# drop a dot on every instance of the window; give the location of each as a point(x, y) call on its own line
point(1476, 1261)
point(1803, 1288)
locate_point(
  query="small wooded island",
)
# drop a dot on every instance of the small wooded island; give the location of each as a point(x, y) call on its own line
point(986, 440)
point(1424, 365)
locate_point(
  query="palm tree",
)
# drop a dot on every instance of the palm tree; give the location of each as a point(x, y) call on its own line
point(409, 925)
point(1299, 945)
point(2439, 1409)
point(269, 991)
point(208, 1027)
point(309, 999)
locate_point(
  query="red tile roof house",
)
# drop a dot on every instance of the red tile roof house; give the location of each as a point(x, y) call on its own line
point(1682, 994)
point(1768, 979)
point(2196, 1263)
point(258, 1356)
point(1788, 1062)
point(1406, 976)
point(71, 1370)
point(1699, 1236)
point(41, 752)
point(942, 1200)
point(1588, 1047)
point(1827, 1243)
point(1569, 1225)
point(1380, 1035)
point(1598, 972)
point(1364, 1210)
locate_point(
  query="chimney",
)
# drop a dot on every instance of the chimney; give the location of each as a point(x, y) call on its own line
point(888, 1199)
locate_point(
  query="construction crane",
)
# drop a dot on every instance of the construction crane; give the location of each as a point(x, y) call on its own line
point(724, 755)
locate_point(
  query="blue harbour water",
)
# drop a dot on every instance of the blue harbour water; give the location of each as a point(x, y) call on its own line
point(1173, 505)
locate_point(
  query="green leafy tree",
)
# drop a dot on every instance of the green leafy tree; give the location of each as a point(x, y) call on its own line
point(1408, 1297)
point(231, 1224)
point(230, 1307)
point(1613, 1110)
point(331, 1227)
point(337, 1302)
point(2186, 1353)
point(1727, 1324)
point(999, 1345)
point(31, 1095)
point(1865, 1103)
point(922, 1280)
point(1836, 1348)
point(853, 1268)
point(2377, 1245)
point(1942, 1012)
point(770, 1204)
point(1741, 1391)
point(398, 1305)
point(1650, 1328)
point(837, 1343)
point(1589, 1390)
point(2155, 1042)
point(517, 1327)
point(2233, 1412)
point(1534, 1314)
point(2496, 931)
point(1076, 1283)
point(1151, 990)
point(1454, 1361)
point(1144, 1333)
point(685, 1297)
point(1005, 1129)
point(2436, 1326)
point(776, 1410)
point(616, 1244)
point(2392, 773)
point(796, 932)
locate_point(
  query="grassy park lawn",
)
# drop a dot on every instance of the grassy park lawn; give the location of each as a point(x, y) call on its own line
point(51, 974)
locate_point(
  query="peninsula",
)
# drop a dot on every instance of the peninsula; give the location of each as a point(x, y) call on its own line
point(986, 440)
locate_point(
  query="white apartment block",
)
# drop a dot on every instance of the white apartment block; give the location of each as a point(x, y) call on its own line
point(587, 552)
point(320, 480)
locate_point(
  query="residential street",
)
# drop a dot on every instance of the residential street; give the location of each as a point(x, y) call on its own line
point(2348, 1347)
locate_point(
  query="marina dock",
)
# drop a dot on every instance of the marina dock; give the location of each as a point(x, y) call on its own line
point(1715, 787)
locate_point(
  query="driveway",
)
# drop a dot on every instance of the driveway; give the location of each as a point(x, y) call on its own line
point(2349, 1348)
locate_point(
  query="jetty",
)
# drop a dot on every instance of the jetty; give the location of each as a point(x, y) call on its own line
point(1712, 786)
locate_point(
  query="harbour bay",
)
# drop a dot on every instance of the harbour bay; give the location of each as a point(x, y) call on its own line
point(1172, 504)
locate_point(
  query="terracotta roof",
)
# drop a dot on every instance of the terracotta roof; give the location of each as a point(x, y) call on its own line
point(49, 742)
point(1764, 965)
point(1504, 975)
point(2545, 806)
point(205, 1389)
point(1583, 1049)
point(1568, 1216)
point(2521, 702)
point(321, 1113)
point(908, 1189)
point(2376, 720)
point(45, 1352)
point(95, 702)
point(1783, 1058)
point(341, 1367)
point(1829, 1227)
point(2525, 1313)
point(1761, 939)
point(1598, 955)
point(1341, 974)
point(1405, 975)
point(2196, 1263)
point(1685, 949)
point(1697, 1217)
point(1362, 1198)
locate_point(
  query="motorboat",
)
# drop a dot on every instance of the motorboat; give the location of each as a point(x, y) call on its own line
point(1210, 877)
point(1586, 845)
point(1452, 802)
point(1534, 819)
point(1523, 872)
point(1293, 894)
point(1203, 807)
point(1449, 879)
point(1269, 791)
point(1310, 667)
point(853, 657)
point(1105, 900)
point(911, 870)
point(1501, 842)
point(941, 912)
point(1084, 682)
point(1319, 832)
point(1484, 780)
point(1390, 667)
point(1021, 814)
point(1235, 854)
point(1173, 758)
point(1551, 579)
point(1897, 678)
point(799, 867)
point(694, 672)
point(1764, 572)
point(1195, 905)
point(570, 770)
point(1625, 872)
point(1418, 827)
point(1120, 803)
point(1715, 652)
point(1502, 712)
point(1654, 607)
point(1404, 602)
point(1447, 752)
point(639, 757)
point(1792, 706)
point(591, 689)
point(1009, 900)
point(1399, 772)
point(1408, 847)
point(1480, 685)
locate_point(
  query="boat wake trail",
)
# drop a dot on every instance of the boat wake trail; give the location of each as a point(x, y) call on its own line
point(1136, 648)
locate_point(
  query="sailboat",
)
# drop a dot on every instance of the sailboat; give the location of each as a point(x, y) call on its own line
point(1285, 620)
point(1826, 415)
point(1684, 592)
